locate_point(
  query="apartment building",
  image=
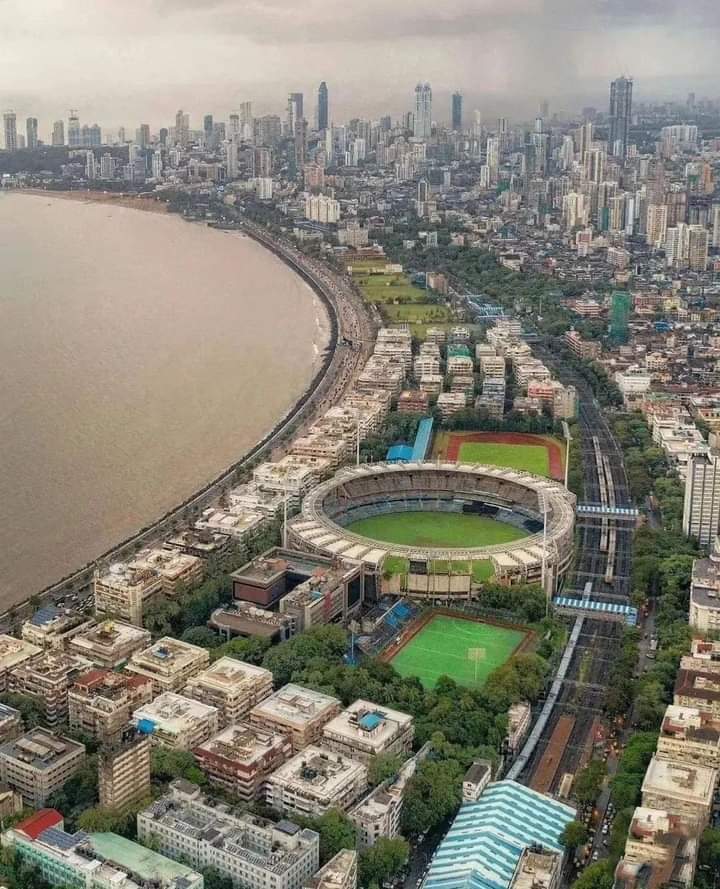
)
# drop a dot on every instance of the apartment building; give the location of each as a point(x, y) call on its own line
point(178, 570)
point(175, 721)
point(365, 730)
point(340, 872)
point(101, 702)
point(705, 592)
point(241, 757)
point(169, 663)
point(232, 686)
point(47, 679)
point(253, 852)
point(325, 596)
point(476, 779)
point(704, 656)
point(203, 544)
point(38, 763)
point(449, 403)
point(299, 712)
point(660, 850)
point(537, 868)
point(314, 781)
point(587, 350)
point(122, 591)
point(680, 789)
point(11, 723)
point(291, 476)
point(701, 510)
point(124, 770)
point(52, 628)
point(13, 653)
point(236, 522)
point(100, 860)
point(110, 644)
point(689, 736)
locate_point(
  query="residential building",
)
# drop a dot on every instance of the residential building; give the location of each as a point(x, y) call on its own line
point(178, 570)
point(232, 686)
point(476, 779)
point(95, 861)
point(340, 872)
point(365, 730)
point(110, 644)
point(177, 722)
point(253, 852)
point(690, 736)
point(38, 763)
point(241, 757)
point(122, 591)
point(519, 719)
point(299, 712)
point(101, 702)
point(423, 112)
point(314, 781)
point(705, 592)
point(538, 869)
point(11, 723)
point(52, 627)
point(124, 770)
point(13, 653)
point(701, 512)
point(588, 350)
point(698, 689)
point(660, 850)
point(169, 663)
point(47, 680)
point(487, 839)
point(680, 789)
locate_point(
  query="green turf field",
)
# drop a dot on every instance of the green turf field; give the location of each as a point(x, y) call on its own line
point(436, 529)
point(465, 650)
point(531, 458)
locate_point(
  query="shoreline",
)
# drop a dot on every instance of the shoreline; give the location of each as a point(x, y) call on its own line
point(332, 367)
point(146, 204)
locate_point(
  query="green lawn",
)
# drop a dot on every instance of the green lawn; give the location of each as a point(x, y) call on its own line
point(465, 650)
point(531, 458)
point(387, 288)
point(436, 529)
point(482, 569)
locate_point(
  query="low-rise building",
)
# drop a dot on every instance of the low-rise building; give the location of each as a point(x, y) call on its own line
point(13, 653)
point(298, 712)
point(11, 723)
point(698, 689)
point(177, 722)
point(47, 679)
point(704, 656)
point(178, 570)
point(690, 736)
point(519, 719)
point(124, 770)
point(705, 592)
point(365, 730)
point(340, 872)
point(476, 779)
point(538, 868)
point(314, 781)
point(203, 544)
point(449, 403)
point(110, 644)
point(232, 686)
point(244, 619)
point(169, 663)
point(253, 852)
point(241, 757)
point(236, 522)
point(96, 861)
point(324, 597)
point(101, 702)
point(122, 591)
point(660, 851)
point(52, 627)
point(38, 763)
point(680, 789)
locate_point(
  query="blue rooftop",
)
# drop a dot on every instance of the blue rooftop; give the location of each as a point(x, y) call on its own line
point(627, 611)
point(44, 615)
point(370, 721)
point(399, 453)
point(146, 726)
point(422, 439)
point(482, 848)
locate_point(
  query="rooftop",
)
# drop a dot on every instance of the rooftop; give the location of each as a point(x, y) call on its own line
point(143, 862)
point(242, 743)
point(228, 674)
point(368, 725)
point(172, 713)
point(295, 705)
point(693, 784)
point(334, 875)
point(168, 655)
point(316, 771)
point(110, 633)
point(41, 749)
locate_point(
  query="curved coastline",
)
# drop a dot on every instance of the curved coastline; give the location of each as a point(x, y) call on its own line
point(301, 411)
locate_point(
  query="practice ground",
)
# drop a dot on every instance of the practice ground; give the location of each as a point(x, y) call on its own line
point(539, 454)
point(436, 529)
point(466, 650)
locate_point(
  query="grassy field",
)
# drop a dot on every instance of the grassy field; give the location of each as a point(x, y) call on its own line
point(436, 529)
point(531, 458)
point(465, 650)
point(481, 569)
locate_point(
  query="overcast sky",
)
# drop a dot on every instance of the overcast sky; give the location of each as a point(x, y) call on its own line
point(132, 61)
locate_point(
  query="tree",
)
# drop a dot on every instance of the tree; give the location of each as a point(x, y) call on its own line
point(79, 792)
point(433, 794)
point(202, 636)
point(167, 765)
point(97, 820)
point(383, 861)
point(597, 876)
point(589, 781)
point(708, 858)
point(213, 879)
point(382, 767)
point(574, 835)
point(252, 649)
point(336, 832)
point(30, 710)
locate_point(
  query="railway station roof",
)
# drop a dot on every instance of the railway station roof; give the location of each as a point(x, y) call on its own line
point(484, 845)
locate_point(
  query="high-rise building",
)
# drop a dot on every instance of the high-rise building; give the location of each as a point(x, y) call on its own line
point(142, 137)
point(423, 111)
point(124, 770)
point(620, 114)
point(31, 130)
point(208, 130)
point(58, 133)
point(716, 225)
point(74, 138)
point(701, 512)
point(323, 106)
point(182, 128)
point(620, 315)
point(295, 112)
point(10, 129)
point(698, 241)
point(656, 228)
point(457, 112)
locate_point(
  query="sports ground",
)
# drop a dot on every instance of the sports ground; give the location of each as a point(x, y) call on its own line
point(466, 650)
point(440, 529)
point(539, 454)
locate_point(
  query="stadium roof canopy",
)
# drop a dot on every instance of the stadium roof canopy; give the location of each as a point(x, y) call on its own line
point(482, 848)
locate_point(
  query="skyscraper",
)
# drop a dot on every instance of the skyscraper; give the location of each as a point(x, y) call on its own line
point(74, 137)
point(295, 111)
point(619, 316)
point(58, 133)
point(423, 111)
point(142, 137)
point(10, 130)
point(323, 106)
point(208, 129)
point(31, 131)
point(620, 113)
point(182, 128)
point(701, 512)
point(457, 112)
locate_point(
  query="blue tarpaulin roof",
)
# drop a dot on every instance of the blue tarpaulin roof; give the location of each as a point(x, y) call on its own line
point(399, 453)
